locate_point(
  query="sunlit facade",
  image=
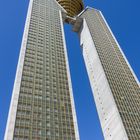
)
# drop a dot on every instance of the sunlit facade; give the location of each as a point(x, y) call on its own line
point(42, 105)
point(115, 87)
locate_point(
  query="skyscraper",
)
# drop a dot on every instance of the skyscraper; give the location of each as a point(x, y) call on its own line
point(115, 87)
point(42, 105)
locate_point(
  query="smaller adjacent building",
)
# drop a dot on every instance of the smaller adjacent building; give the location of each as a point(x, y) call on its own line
point(115, 87)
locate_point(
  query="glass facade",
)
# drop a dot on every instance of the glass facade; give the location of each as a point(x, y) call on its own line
point(73, 7)
point(123, 85)
point(44, 109)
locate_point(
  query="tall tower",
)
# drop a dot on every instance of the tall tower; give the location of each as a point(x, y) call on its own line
point(115, 87)
point(42, 105)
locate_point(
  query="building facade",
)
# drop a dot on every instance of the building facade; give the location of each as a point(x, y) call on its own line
point(42, 104)
point(115, 87)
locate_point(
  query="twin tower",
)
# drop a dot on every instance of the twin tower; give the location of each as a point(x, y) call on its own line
point(42, 104)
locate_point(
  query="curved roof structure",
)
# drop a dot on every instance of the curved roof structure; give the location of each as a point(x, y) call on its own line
point(73, 7)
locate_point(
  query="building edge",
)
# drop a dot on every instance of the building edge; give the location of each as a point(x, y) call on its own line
point(9, 131)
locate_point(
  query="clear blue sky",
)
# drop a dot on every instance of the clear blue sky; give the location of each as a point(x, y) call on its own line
point(124, 19)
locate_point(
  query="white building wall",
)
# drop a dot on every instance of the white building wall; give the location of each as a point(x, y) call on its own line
point(110, 120)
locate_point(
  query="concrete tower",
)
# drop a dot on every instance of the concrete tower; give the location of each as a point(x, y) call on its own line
point(42, 105)
point(115, 87)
